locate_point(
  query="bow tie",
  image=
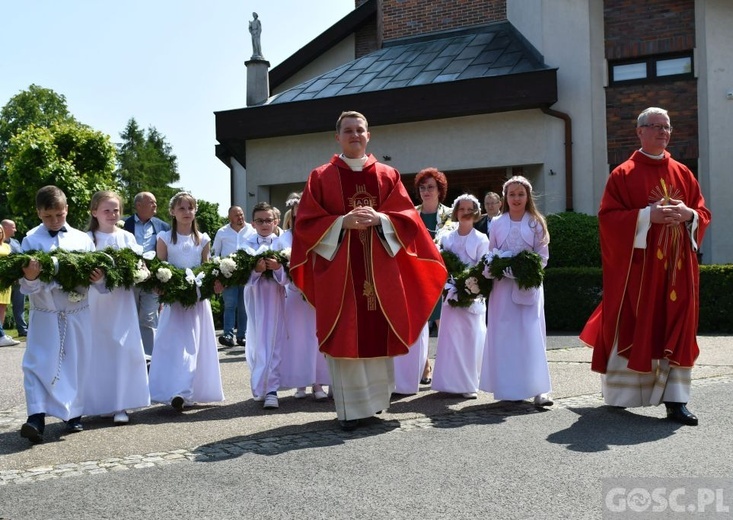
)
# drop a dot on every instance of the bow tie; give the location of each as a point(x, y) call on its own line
point(54, 233)
point(262, 240)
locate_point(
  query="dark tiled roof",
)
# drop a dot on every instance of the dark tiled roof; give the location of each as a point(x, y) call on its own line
point(479, 70)
point(480, 52)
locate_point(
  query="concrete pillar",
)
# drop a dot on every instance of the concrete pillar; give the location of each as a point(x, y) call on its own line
point(258, 81)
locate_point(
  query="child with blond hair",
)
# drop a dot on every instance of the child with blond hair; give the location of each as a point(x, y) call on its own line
point(185, 365)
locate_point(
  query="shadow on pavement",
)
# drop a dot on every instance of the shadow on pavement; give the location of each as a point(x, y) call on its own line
point(438, 411)
point(599, 428)
point(276, 441)
point(12, 442)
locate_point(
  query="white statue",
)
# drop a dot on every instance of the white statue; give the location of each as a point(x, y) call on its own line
point(255, 29)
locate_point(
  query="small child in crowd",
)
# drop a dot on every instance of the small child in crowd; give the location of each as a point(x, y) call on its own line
point(56, 360)
point(264, 300)
point(515, 362)
point(118, 377)
point(463, 330)
point(301, 364)
point(185, 364)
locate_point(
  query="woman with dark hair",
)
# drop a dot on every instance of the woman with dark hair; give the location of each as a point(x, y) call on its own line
point(431, 187)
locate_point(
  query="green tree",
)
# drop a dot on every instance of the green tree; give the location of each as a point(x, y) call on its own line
point(208, 218)
point(72, 156)
point(145, 162)
point(36, 106)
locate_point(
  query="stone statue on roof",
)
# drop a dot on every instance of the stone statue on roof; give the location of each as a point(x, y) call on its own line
point(255, 29)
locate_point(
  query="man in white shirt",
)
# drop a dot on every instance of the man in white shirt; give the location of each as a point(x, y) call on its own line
point(227, 240)
point(146, 226)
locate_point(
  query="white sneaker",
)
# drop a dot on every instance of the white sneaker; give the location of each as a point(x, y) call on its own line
point(121, 417)
point(271, 402)
point(300, 393)
point(7, 341)
point(543, 400)
point(470, 395)
point(319, 394)
point(258, 398)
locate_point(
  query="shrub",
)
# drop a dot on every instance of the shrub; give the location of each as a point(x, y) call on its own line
point(716, 298)
point(572, 293)
point(217, 309)
point(573, 240)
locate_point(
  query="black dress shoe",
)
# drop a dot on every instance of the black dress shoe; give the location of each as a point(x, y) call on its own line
point(38, 420)
point(227, 341)
point(31, 432)
point(348, 426)
point(177, 402)
point(678, 412)
point(74, 425)
point(426, 380)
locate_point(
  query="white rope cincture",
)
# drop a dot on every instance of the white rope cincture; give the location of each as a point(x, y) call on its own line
point(62, 323)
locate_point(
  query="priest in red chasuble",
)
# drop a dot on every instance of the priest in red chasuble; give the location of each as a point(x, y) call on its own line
point(365, 261)
point(652, 220)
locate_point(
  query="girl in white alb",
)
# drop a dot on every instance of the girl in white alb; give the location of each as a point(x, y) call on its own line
point(515, 361)
point(185, 364)
point(462, 330)
point(118, 379)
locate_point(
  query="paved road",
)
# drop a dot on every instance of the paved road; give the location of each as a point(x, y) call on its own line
point(429, 456)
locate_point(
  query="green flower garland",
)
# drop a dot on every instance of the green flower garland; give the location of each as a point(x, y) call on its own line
point(125, 268)
point(469, 282)
point(70, 269)
point(526, 267)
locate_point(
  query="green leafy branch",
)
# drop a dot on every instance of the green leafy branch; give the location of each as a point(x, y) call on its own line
point(526, 267)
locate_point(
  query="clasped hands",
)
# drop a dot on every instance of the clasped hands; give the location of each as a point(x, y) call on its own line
point(264, 264)
point(361, 217)
point(670, 212)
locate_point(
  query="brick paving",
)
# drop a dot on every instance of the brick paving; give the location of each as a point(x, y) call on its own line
point(11, 419)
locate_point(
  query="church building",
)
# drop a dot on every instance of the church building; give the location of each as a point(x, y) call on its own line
point(487, 89)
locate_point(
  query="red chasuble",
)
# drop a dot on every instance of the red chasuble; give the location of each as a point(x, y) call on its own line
point(368, 304)
point(650, 296)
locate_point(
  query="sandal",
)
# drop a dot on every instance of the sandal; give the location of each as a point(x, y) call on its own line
point(426, 379)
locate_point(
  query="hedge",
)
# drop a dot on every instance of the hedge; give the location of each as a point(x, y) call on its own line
point(573, 240)
point(572, 293)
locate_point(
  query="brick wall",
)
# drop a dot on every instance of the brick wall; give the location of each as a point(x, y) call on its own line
point(401, 18)
point(367, 40)
point(414, 17)
point(637, 29)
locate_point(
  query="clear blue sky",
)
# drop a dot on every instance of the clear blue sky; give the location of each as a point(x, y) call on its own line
point(168, 63)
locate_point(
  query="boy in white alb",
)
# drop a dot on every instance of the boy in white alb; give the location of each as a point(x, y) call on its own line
point(264, 299)
point(59, 341)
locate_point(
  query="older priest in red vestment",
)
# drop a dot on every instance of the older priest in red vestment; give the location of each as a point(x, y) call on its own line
point(652, 220)
point(364, 260)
